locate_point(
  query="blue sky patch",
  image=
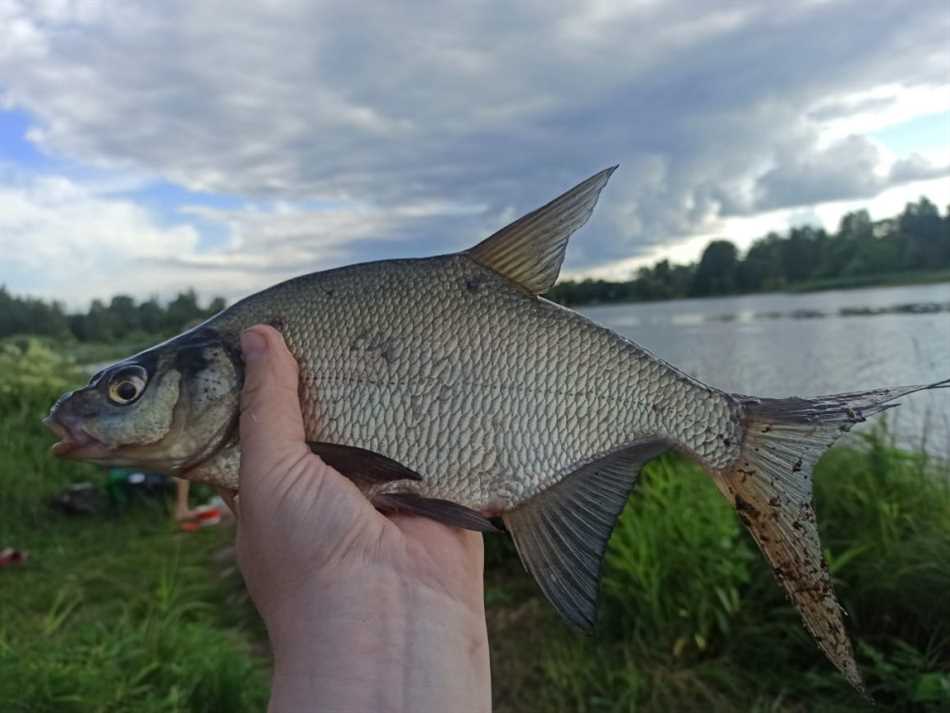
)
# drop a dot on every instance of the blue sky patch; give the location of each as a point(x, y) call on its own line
point(166, 201)
point(920, 133)
point(14, 146)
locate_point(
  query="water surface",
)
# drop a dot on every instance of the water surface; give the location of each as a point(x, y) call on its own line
point(809, 344)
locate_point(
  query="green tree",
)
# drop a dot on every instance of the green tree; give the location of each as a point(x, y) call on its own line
point(927, 243)
point(717, 270)
point(150, 316)
point(125, 315)
point(217, 304)
point(100, 323)
point(799, 253)
point(182, 310)
point(762, 267)
point(856, 226)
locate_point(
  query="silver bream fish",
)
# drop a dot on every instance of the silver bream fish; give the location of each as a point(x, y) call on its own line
point(447, 387)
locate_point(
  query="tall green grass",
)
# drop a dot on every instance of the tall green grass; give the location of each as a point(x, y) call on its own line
point(113, 612)
point(692, 620)
point(122, 612)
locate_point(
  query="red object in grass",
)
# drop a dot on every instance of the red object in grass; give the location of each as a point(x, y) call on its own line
point(205, 516)
point(10, 556)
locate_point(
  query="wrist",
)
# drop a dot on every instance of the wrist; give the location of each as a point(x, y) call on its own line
point(385, 642)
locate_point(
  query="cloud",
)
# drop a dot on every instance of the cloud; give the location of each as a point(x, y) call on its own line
point(915, 168)
point(273, 239)
point(867, 110)
point(75, 241)
point(848, 169)
point(471, 114)
point(63, 241)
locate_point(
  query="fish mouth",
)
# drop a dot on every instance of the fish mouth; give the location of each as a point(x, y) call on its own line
point(75, 441)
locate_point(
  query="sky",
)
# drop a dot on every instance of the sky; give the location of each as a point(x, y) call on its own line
point(150, 147)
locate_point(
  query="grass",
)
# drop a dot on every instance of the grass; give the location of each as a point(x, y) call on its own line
point(889, 279)
point(112, 612)
point(691, 619)
point(121, 612)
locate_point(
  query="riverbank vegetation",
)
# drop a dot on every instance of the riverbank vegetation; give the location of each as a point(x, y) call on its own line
point(911, 248)
point(121, 319)
point(120, 611)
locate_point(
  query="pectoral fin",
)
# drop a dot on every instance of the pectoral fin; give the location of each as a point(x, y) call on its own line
point(561, 534)
point(362, 465)
point(367, 467)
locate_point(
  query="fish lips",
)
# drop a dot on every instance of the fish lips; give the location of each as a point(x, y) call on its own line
point(75, 442)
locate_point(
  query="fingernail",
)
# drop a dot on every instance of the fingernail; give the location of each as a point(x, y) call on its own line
point(253, 343)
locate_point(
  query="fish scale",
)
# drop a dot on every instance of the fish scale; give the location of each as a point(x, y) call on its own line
point(447, 387)
point(512, 388)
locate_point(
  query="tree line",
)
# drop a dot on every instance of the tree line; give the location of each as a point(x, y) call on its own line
point(916, 240)
point(123, 317)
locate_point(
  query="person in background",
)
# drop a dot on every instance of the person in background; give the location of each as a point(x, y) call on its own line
point(182, 511)
point(192, 519)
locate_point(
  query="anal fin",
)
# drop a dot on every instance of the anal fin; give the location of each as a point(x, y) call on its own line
point(561, 533)
point(444, 511)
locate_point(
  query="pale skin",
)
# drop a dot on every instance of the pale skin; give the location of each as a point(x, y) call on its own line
point(182, 511)
point(364, 612)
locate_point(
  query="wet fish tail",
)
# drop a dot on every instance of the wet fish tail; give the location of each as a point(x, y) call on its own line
point(770, 485)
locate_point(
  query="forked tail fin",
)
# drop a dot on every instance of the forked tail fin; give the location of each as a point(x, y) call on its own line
point(770, 485)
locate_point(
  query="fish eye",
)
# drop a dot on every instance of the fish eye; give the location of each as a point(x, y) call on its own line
point(127, 385)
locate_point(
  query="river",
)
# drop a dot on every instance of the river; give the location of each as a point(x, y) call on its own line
point(809, 344)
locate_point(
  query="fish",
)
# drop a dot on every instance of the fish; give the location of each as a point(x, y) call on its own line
point(450, 388)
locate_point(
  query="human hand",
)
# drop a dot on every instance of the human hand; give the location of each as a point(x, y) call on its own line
point(364, 612)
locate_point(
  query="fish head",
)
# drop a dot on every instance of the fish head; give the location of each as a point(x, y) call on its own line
point(165, 409)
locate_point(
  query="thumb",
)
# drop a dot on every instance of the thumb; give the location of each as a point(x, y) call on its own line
point(272, 431)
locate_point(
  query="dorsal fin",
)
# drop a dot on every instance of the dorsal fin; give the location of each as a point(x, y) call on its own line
point(530, 250)
point(561, 533)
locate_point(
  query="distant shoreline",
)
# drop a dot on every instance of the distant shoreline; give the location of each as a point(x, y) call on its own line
point(895, 279)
